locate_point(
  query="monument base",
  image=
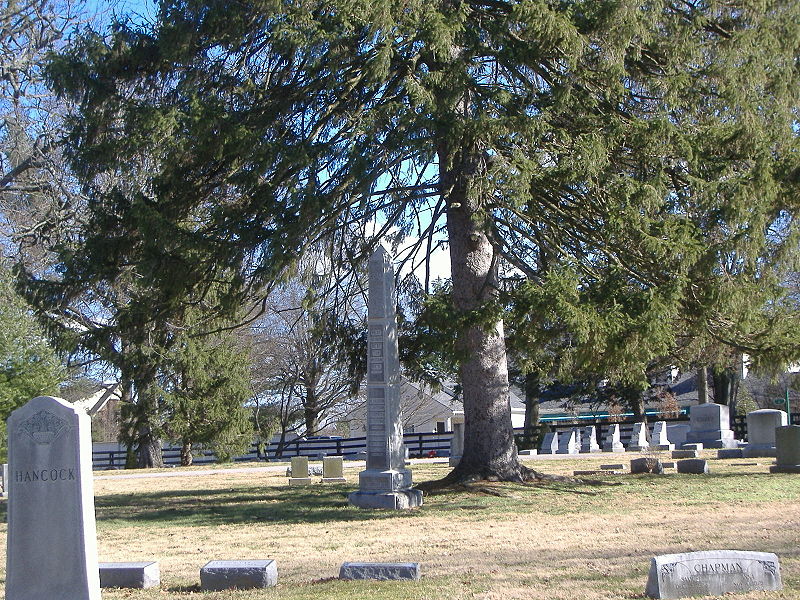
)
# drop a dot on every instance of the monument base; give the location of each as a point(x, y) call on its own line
point(713, 438)
point(300, 481)
point(784, 469)
point(618, 449)
point(756, 451)
point(668, 447)
point(334, 480)
point(391, 500)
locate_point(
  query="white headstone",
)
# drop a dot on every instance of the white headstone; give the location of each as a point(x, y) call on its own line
point(638, 441)
point(550, 443)
point(386, 483)
point(613, 442)
point(659, 439)
point(589, 439)
point(52, 541)
point(761, 426)
point(709, 424)
point(568, 442)
point(457, 441)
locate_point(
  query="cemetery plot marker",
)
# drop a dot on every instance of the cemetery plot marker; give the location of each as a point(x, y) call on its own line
point(386, 483)
point(52, 541)
point(712, 573)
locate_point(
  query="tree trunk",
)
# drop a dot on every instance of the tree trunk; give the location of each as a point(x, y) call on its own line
point(311, 411)
point(702, 384)
point(531, 425)
point(149, 451)
point(726, 387)
point(186, 454)
point(149, 444)
point(489, 449)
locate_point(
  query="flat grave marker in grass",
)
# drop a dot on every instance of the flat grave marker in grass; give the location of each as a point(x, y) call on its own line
point(379, 571)
point(136, 575)
point(239, 574)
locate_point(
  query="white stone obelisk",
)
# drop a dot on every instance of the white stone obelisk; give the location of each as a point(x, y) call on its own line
point(386, 483)
point(52, 541)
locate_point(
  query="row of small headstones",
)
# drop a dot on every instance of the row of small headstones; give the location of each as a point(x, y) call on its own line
point(332, 470)
point(585, 440)
point(219, 575)
point(670, 576)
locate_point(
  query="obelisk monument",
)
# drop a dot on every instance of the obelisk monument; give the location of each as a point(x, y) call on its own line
point(386, 483)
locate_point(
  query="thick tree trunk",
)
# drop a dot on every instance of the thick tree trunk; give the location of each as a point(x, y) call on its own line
point(186, 454)
point(149, 450)
point(489, 449)
point(726, 387)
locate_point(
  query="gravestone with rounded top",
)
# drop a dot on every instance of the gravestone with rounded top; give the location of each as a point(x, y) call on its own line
point(709, 424)
point(761, 426)
point(386, 483)
point(613, 442)
point(52, 541)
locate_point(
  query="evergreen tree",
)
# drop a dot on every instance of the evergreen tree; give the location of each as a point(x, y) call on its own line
point(638, 147)
point(206, 388)
point(28, 365)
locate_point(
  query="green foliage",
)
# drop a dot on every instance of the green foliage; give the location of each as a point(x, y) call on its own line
point(205, 388)
point(28, 365)
point(636, 162)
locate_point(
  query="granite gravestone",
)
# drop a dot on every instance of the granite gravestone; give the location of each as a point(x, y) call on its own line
point(589, 439)
point(52, 541)
point(568, 442)
point(457, 441)
point(613, 442)
point(638, 441)
point(761, 426)
point(333, 470)
point(549, 443)
point(787, 450)
point(709, 424)
point(659, 439)
point(386, 483)
point(712, 573)
point(299, 471)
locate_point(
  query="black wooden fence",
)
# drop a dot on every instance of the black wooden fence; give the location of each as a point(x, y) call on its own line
point(418, 444)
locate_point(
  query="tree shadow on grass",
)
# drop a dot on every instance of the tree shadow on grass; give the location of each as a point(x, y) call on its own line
point(202, 507)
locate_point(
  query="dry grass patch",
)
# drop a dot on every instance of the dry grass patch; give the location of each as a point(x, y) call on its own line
point(538, 542)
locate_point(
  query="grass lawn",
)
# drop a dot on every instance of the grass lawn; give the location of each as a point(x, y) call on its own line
point(539, 542)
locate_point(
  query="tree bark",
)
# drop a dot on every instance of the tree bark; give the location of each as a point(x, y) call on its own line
point(149, 450)
point(186, 454)
point(702, 384)
point(489, 448)
point(531, 424)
